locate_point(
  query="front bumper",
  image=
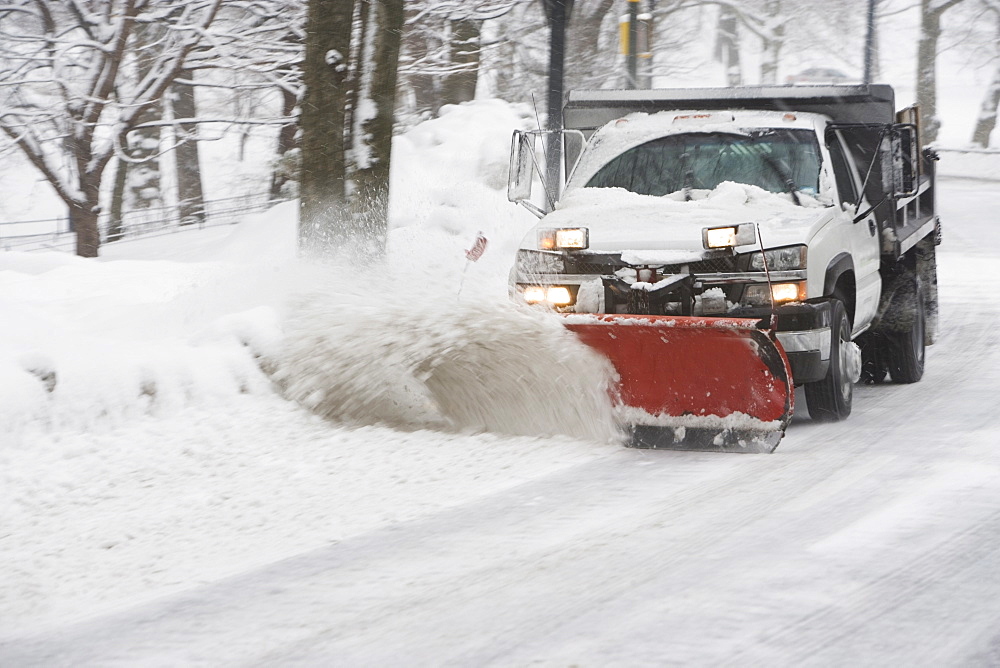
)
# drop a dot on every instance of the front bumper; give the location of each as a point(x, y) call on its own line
point(804, 333)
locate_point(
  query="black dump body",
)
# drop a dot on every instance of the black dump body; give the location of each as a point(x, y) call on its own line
point(587, 110)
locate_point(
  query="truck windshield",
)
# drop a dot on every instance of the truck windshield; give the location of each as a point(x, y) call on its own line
point(784, 160)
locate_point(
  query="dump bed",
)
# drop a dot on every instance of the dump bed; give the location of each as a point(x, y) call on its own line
point(587, 110)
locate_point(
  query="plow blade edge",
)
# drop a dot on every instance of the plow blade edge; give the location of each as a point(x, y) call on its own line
point(694, 383)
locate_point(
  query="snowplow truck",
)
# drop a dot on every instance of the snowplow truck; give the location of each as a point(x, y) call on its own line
point(723, 246)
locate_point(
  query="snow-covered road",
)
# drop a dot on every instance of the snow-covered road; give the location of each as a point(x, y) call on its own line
point(871, 542)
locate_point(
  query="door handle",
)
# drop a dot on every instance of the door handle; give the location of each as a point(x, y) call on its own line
point(871, 226)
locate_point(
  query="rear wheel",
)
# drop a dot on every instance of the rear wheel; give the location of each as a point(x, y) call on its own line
point(830, 399)
point(905, 346)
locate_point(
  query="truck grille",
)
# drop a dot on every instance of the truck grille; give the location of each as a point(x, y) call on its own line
point(580, 263)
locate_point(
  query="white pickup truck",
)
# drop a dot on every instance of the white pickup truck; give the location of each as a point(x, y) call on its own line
point(808, 207)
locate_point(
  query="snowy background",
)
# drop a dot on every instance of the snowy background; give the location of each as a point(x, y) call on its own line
point(163, 501)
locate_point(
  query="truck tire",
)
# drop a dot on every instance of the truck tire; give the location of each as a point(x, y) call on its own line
point(905, 347)
point(874, 367)
point(926, 267)
point(829, 400)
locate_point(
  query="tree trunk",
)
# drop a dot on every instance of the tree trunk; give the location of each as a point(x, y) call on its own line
point(772, 46)
point(930, 32)
point(83, 220)
point(584, 67)
point(190, 194)
point(727, 49)
point(116, 226)
point(987, 120)
point(460, 83)
point(142, 189)
point(83, 217)
point(322, 188)
point(373, 145)
point(286, 142)
point(416, 49)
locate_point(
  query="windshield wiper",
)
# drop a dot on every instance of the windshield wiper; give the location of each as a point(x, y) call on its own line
point(785, 177)
point(688, 175)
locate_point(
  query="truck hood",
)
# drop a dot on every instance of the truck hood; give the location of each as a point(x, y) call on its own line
point(668, 229)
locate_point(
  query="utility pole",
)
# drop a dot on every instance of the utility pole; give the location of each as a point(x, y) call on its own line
point(632, 56)
point(870, 43)
point(557, 13)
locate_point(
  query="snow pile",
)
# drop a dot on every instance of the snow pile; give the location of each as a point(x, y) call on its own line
point(90, 344)
point(160, 324)
point(449, 182)
point(484, 366)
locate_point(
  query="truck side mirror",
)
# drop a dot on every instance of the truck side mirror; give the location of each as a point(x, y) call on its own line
point(522, 150)
point(904, 158)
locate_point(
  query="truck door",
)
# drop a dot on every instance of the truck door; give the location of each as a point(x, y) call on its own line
point(860, 237)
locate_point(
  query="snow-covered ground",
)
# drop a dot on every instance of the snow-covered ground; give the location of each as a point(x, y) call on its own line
point(163, 504)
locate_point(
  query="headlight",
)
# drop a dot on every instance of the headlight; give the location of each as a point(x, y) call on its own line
point(554, 295)
point(529, 263)
point(780, 259)
point(757, 294)
point(569, 238)
point(558, 295)
point(534, 294)
point(727, 237)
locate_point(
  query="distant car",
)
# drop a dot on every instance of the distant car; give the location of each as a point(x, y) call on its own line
point(819, 75)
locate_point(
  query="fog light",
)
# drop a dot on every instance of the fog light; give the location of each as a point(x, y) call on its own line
point(788, 292)
point(758, 295)
point(559, 295)
point(534, 294)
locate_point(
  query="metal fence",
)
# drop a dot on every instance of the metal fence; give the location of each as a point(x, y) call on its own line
point(55, 233)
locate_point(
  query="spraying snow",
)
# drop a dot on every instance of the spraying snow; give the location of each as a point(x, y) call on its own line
point(484, 366)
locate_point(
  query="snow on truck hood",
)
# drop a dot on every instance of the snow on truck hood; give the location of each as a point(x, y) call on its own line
point(647, 229)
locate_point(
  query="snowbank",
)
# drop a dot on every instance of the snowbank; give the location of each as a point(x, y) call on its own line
point(181, 320)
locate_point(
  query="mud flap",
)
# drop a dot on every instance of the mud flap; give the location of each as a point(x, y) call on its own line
point(693, 383)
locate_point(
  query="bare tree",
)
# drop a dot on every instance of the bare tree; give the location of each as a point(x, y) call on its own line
point(727, 46)
point(987, 119)
point(931, 12)
point(442, 49)
point(59, 102)
point(323, 175)
point(374, 118)
point(190, 193)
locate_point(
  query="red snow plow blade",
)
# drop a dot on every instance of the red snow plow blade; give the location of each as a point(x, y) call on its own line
point(694, 383)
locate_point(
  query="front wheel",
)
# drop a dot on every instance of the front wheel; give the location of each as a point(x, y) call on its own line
point(830, 399)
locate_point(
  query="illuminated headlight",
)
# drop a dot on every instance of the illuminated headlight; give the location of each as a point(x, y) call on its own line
point(780, 259)
point(757, 294)
point(534, 294)
point(556, 295)
point(727, 237)
point(570, 238)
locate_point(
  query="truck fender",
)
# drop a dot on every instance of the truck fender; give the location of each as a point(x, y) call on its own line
point(841, 264)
